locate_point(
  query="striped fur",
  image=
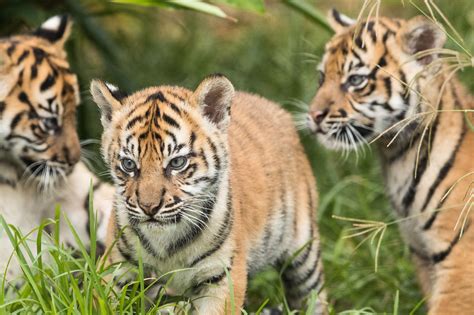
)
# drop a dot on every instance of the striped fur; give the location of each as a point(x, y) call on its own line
point(245, 198)
point(430, 153)
point(39, 145)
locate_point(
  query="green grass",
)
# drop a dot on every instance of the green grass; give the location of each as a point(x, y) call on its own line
point(272, 54)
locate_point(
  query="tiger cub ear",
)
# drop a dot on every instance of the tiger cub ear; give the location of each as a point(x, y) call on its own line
point(56, 30)
point(108, 97)
point(419, 34)
point(338, 21)
point(214, 96)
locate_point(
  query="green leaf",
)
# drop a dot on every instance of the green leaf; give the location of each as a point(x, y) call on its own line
point(310, 12)
point(251, 5)
point(195, 5)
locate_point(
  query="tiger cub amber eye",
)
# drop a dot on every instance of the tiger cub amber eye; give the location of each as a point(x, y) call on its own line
point(178, 163)
point(128, 165)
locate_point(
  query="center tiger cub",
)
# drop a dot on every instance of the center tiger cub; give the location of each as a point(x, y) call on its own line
point(209, 181)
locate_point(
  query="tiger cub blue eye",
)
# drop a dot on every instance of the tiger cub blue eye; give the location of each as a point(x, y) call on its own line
point(178, 163)
point(128, 165)
point(356, 80)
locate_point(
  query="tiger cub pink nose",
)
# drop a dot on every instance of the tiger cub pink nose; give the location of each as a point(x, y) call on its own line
point(319, 115)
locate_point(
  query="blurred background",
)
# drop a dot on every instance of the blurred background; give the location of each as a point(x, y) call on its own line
point(272, 52)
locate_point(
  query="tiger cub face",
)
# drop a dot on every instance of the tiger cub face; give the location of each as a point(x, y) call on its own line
point(157, 144)
point(365, 75)
point(38, 99)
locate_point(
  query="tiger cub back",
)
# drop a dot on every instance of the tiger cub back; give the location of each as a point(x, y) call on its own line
point(208, 181)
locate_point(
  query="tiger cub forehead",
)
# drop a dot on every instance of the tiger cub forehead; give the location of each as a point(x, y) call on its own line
point(167, 106)
point(156, 122)
point(368, 38)
point(163, 96)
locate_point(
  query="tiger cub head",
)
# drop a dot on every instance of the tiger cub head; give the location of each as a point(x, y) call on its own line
point(38, 99)
point(166, 148)
point(365, 75)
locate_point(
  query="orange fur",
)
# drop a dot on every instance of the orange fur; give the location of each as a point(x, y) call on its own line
point(365, 91)
point(271, 188)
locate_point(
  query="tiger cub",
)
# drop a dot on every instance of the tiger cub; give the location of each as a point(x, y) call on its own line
point(204, 193)
point(375, 83)
point(39, 145)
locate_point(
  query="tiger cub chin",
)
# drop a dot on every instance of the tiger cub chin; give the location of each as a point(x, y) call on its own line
point(209, 181)
point(387, 81)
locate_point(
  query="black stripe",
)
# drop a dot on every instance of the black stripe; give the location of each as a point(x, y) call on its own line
point(294, 279)
point(39, 56)
point(11, 49)
point(195, 230)
point(48, 82)
point(2, 108)
point(443, 172)
point(215, 156)
point(388, 86)
point(133, 122)
point(297, 292)
point(144, 241)
point(409, 196)
point(156, 96)
point(439, 257)
point(209, 281)
point(175, 108)
point(33, 72)
point(179, 97)
point(192, 139)
point(302, 257)
point(170, 121)
point(360, 43)
point(23, 56)
point(86, 206)
point(358, 111)
point(369, 91)
point(223, 233)
point(16, 120)
point(406, 146)
point(126, 255)
point(435, 213)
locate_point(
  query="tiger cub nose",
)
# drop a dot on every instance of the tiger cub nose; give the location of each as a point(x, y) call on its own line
point(151, 209)
point(319, 115)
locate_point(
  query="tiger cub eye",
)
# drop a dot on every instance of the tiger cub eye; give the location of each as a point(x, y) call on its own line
point(178, 163)
point(128, 165)
point(356, 79)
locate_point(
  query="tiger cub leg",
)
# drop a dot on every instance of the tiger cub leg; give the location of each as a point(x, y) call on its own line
point(304, 275)
point(453, 287)
point(215, 298)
